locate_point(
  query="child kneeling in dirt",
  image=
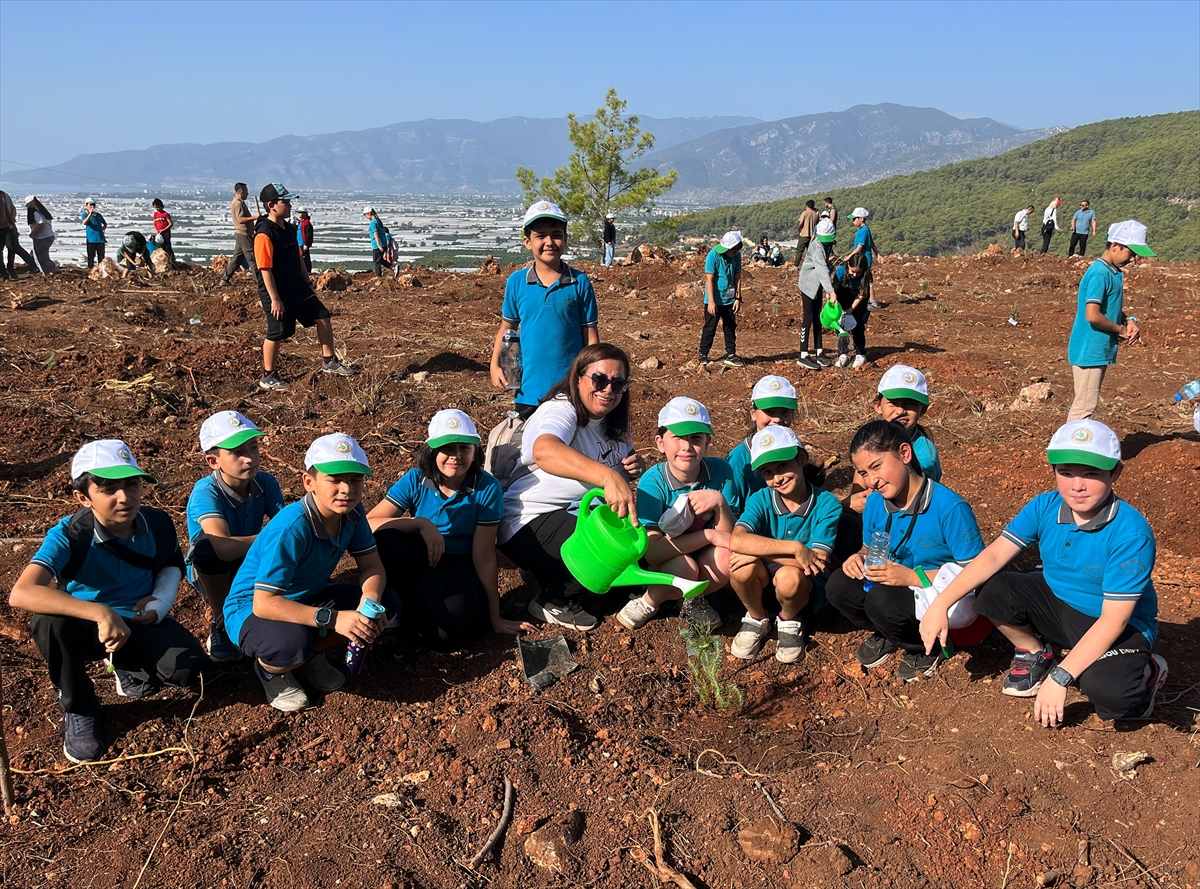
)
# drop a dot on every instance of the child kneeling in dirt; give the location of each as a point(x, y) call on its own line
point(784, 537)
point(101, 586)
point(225, 512)
point(436, 531)
point(687, 504)
point(134, 254)
point(282, 605)
point(1093, 595)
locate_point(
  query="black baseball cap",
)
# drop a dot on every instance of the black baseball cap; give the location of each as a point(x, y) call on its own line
point(276, 192)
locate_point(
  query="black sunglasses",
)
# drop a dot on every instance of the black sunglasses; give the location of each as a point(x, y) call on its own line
point(600, 382)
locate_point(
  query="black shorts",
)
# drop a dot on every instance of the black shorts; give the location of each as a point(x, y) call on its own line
point(205, 560)
point(307, 312)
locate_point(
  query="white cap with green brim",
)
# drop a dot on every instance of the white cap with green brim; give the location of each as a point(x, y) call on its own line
point(729, 240)
point(685, 416)
point(775, 444)
point(228, 430)
point(1132, 234)
point(1086, 442)
point(773, 391)
point(107, 458)
point(450, 427)
point(860, 213)
point(542, 210)
point(337, 454)
point(903, 381)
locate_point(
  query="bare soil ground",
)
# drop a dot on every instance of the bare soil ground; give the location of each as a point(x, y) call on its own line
point(943, 783)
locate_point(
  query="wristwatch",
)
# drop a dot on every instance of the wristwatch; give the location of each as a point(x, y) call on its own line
point(324, 619)
point(1062, 677)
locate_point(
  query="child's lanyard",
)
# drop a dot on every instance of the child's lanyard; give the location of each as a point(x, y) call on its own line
point(911, 525)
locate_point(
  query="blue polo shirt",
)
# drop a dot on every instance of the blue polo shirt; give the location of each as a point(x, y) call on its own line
point(862, 237)
point(745, 480)
point(814, 524)
point(938, 527)
point(102, 577)
point(211, 498)
point(1109, 557)
point(1103, 285)
point(551, 322)
point(1082, 221)
point(658, 489)
point(294, 556)
point(724, 271)
point(94, 227)
point(927, 453)
point(454, 517)
point(376, 235)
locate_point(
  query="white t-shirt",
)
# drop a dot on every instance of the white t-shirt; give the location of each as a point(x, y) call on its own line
point(38, 219)
point(1051, 215)
point(1021, 221)
point(540, 492)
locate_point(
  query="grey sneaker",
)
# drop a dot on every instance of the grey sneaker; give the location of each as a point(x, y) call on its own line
point(636, 613)
point(221, 649)
point(874, 650)
point(82, 739)
point(701, 613)
point(272, 381)
point(750, 638)
point(322, 675)
point(789, 647)
point(283, 691)
point(333, 366)
point(1158, 675)
point(564, 614)
point(913, 666)
point(807, 363)
point(130, 685)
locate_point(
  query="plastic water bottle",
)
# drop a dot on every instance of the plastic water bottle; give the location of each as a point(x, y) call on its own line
point(1189, 391)
point(371, 610)
point(877, 554)
point(510, 359)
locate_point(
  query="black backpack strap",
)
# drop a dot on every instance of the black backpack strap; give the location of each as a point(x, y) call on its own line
point(81, 532)
point(166, 540)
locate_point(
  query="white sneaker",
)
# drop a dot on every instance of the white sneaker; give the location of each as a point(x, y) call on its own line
point(842, 360)
point(324, 676)
point(859, 360)
point(701, 613)
point(636, 614)
point(750, 638)
point(789, 646)
point(283, 691)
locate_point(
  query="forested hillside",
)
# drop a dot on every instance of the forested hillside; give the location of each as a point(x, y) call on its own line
point(1146, 168)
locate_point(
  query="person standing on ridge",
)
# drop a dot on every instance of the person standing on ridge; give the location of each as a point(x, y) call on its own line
point(833, 213)
point(1100, 321)
point(41, 232)
point(1050, 223)
point(243, 233)
point(93, 226)
point(1084, 218)
point(164, 227)
point(304, 236)
point(379, 239)
point(610, 238)
point(806, 227)
point(10, 239)
point(1019, 227)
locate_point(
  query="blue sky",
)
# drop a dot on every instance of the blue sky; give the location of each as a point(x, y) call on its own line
point(102, 76)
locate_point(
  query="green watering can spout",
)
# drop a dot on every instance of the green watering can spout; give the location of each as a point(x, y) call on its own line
point(605, 549)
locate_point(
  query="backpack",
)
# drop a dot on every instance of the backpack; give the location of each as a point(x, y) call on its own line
point(81, 531)
point(502, 459)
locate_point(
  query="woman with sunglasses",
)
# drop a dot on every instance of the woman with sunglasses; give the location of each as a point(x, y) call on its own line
point(577, 439)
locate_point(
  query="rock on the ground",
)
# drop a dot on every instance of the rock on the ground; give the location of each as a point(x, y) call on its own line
point(1035, 393)
point(106, 268)
point(650, 363)
point(549, 845)
point(839, 862)
point(768, 840)
point(407, 280)
point(162, 262)
point(332, 280)
point(489, 266)
point(420, 376)
point(219, 263)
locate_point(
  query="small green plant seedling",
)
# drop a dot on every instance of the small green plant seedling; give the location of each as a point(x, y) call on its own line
point(705, 654)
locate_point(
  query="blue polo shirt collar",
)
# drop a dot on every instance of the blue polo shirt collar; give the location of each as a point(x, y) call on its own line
point(101, 534)
point(566, 277)
point(1107, 513)
point(317, 525)
point(920, 503)
point(673, 485)
point(233, 496)
point(803, 512)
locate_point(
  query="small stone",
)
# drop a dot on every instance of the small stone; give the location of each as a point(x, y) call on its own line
point(505, 744)
point(1125, 762)
point(768, 840)
point(489, 723)
point(548, 846)
point(389, 800)
point(839, 862)
point(651, 363)
point(420, 376)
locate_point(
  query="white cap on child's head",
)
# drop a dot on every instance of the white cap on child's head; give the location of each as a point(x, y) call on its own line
point(337, 454)
point(685, 416)
point(775, 444)
point(773, 391)
point(450, 427)
point(903, 381)
point(1131, 234)
point(1086, 442)
point(107, 458)
point(542, 210)
point(227, 429)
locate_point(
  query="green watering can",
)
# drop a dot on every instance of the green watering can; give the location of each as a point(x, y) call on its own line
point(604, 551)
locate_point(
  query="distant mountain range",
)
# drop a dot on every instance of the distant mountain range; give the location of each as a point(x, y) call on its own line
point(718, 158)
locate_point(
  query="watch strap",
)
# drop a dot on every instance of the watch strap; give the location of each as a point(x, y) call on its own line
point(1061, 676)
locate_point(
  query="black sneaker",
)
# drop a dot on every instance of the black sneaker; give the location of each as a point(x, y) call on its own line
point(1028, 670)
point(704, 361)
point(874, 650)
point(272, 381)
point(733, 361)
point(807, 363)
point(82, 739)
point(337, 368)
point(914, 665)
point(1158, 675)
point(130, 685)
point(821, 360)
